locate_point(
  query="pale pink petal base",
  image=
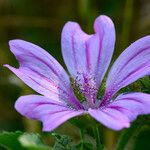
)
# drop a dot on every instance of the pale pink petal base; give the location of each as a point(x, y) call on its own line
point(51, 113)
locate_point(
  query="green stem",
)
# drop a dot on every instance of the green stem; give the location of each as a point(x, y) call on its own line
point(128, 135)
point(99, 146)
point(82, 138)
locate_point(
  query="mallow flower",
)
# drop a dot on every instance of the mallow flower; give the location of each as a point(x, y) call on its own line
point(87, 58)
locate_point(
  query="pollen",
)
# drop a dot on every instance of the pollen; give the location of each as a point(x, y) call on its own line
point(84, 87)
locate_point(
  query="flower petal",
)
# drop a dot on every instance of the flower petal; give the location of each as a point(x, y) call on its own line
point(131, 65)
point(51, 113)
point(112, 118)
point(41, 71)
point(132, 104)
point(88, 56)
point(123, 110)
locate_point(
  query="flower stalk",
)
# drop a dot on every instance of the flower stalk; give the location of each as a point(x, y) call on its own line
point(128, 134)
point(99, 145)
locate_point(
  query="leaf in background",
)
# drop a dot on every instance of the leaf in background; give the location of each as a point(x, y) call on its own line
point(129, 136)
point(84, 145)
point(142, 140)
point(32, 142)
point(9, 140)
point(145, 84)
point(62, 142)
point(21, 141)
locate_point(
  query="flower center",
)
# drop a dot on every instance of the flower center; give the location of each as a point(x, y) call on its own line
point(85, 89)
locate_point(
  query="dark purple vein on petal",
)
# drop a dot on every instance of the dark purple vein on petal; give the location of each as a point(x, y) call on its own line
point(134, 71)
point(61, 97)
point(133, 57)
point(73, 50)
point(53, 83)
point(50, 67)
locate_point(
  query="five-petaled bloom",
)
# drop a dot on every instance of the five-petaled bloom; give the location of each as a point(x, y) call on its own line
point(87, 58)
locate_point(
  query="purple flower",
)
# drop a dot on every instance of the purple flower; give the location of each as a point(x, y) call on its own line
point(87, 58)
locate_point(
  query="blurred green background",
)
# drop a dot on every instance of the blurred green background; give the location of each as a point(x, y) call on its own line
point(41, 22)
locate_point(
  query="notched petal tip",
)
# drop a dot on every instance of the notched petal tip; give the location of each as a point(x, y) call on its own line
point(71, 23)
point(9, 67)
point(70, 26)
point(11, 42)
point(17, 45)
point(15, 42)
point(111, 118)
point(6, 65)
point(103, 20)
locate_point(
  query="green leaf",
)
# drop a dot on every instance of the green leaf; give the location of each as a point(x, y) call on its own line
point(21, 141)
point(32, 142)
point(9, 140)
point(130, 134)
point(62, 142)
